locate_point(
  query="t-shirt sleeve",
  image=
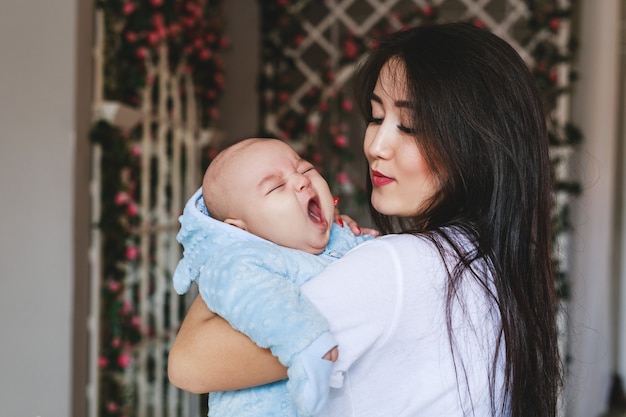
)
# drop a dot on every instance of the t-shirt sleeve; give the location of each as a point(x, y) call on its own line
point(360, 295)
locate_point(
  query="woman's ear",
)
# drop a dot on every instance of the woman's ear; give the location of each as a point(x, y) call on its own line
point(237, 223)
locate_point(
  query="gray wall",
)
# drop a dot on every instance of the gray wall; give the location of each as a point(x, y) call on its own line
point(592, 317)
point(37, 148)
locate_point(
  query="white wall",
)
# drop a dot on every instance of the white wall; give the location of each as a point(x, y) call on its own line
point(595, 112)
point(37, 142)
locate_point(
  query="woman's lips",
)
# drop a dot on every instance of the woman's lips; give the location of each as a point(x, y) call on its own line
point(378, 179)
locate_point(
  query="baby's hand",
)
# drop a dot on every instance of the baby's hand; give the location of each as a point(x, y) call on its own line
point(332, 354)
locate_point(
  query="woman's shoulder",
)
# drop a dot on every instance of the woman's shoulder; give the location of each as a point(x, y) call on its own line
point(401, 243)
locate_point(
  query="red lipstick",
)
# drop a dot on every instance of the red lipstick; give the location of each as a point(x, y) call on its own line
point(379, 179)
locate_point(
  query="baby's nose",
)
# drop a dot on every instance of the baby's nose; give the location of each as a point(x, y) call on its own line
point(302, 182)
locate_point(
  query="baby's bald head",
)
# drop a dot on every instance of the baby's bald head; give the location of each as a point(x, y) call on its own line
point(218, 192)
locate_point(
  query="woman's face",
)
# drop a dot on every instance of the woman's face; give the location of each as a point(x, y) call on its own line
point(401, 179)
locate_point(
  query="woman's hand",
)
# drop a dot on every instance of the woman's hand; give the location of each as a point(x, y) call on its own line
point(353, 225)
point(209, 355)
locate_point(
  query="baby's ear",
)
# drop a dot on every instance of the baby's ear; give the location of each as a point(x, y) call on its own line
point(237, 223)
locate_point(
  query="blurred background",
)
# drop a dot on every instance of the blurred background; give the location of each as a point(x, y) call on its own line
point(111, 110)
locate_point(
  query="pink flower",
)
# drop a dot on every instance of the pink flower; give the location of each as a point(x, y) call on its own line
point(103, 362)
point(114, 286)
point(541, 66)
point(135, 321)
point(350, 49)
point(323, 106)
point(205, 54)
point(156, 3)
point(153, 38)
point(188, 21)
point(128, 8)
point(126, 307)
point(212, 153)
point(283, 96)
point(224, 42)
point(341, 141)
point(347, 105)
point(161, 31)
point(158, 20)
point(479, 23)
point(174, 29)
point(141, 53)
point(131, 37)
point(112, 407)
point(553, 76)
point(132, 253)
point(311, 127)
point(554, 23)
point(318, 158)
point(121, 198)
point(219, 80)
point(343, 178)
point(135, 150)
point(214, 113)
point(427, 11)
point(132, 209)
point(298, 40)
point(116, 342)
point(124, 360)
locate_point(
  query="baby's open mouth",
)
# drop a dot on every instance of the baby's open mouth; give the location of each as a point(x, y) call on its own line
point(315, 211)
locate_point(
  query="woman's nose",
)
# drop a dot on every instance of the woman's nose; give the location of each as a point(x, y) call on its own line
point(378, 142)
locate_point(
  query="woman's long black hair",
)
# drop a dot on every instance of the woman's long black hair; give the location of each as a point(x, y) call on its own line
point(485, 139)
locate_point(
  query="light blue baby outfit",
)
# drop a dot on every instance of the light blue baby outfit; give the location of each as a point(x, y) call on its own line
point(254, 284)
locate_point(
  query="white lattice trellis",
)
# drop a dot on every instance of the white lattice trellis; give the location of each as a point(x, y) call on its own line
point(503, 17)
point(170, 160)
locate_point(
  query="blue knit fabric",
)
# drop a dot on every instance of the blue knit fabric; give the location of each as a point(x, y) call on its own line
point(255, 285)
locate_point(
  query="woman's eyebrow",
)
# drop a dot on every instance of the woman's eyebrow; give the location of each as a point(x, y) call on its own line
point(397, 103)
point(402, 103)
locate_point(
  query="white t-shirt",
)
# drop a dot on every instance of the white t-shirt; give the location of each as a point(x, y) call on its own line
point(385, 301)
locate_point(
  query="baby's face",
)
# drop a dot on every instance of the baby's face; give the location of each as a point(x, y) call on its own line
point(281, 197)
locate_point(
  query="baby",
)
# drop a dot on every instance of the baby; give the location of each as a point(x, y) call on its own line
point(261, 226)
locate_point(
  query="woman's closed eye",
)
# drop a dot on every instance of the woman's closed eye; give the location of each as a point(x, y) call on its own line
point(401, 127)
point(406, 129)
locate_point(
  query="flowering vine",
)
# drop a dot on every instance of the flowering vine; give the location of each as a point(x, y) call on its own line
point(136, 32)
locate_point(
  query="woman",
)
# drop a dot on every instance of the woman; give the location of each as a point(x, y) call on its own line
point(453, 311)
